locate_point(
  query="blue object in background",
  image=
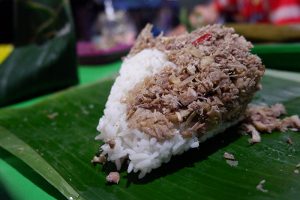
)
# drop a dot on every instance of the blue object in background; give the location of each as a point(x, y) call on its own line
point(163, 14)
point(136, 4)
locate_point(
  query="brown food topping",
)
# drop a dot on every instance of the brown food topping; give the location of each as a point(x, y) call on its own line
point(154, 123)
point(111, 144)
point(266, 119)
point(230, 159)
point(213, 81)
point(113, 177)
point(254, 133)
point(232, 163)
point(101, 159)
point(260, 186)
point(228, 156)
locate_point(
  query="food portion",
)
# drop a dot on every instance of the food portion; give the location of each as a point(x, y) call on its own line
point(265, 119)
point(174, 92)
point(113, 177)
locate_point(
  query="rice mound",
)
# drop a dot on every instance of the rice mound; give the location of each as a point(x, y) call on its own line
point(209, 74)
point(144, 153)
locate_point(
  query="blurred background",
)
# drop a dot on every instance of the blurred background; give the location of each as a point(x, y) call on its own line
point(42, 42)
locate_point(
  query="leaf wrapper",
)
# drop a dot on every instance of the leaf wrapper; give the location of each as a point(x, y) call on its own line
point(44, 59)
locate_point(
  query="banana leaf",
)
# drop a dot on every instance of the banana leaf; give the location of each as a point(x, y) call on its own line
point(44, 59)
point(275, 53)
point(55, 138)
point(267, 32)
point(279, 56)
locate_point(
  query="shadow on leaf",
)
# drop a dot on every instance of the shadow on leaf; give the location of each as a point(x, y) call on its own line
point(187, 159)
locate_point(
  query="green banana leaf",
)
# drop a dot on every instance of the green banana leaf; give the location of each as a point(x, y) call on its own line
point(275, 52)
point(267, 32)
point(55, 137)
point(44, 59)
point(279, 56)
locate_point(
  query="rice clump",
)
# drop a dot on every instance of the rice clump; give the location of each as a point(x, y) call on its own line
point(144, 152)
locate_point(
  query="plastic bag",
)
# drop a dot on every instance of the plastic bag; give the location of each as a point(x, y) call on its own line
point(44, 58)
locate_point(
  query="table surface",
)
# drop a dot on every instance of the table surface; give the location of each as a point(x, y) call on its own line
point(27, 184)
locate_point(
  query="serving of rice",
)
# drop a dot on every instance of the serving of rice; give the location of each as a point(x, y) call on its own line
point(146, 146)
point(144, 153)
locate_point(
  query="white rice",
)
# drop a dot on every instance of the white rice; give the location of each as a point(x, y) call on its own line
point(144, 153)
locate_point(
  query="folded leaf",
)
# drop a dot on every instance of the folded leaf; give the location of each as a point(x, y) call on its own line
point(44, 59)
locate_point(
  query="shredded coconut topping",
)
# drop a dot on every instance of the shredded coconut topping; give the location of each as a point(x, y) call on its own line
point(260, 119)
point(212, 83)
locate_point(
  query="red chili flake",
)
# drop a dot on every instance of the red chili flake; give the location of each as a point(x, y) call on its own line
point(202, 38)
